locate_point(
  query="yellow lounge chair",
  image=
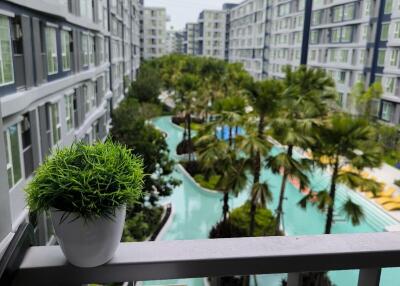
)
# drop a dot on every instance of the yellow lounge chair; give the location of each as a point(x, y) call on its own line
point(387, 193)
point(387, 200)
point(392, 206)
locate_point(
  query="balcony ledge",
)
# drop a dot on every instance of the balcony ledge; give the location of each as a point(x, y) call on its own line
point(219, 257)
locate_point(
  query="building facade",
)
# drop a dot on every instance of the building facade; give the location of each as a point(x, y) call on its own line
point(62, 69)
point(191, 39)
point(211, 36)
point(154, 32)
point(174, 42)
point(249, 36)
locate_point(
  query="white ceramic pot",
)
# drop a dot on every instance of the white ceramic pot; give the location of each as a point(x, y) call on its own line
point(88, 243)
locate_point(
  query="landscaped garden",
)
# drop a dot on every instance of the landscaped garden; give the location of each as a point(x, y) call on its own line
point(233, 128)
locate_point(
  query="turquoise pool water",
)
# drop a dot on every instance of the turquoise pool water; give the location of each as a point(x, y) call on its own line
point(196, 211)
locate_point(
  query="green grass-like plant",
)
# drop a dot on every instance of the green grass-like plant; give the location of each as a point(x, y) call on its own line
point(90, 181)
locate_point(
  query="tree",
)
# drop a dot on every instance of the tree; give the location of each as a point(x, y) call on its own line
point(264, 97)
point(365, 101)
point(147, 86)
point(146, 141)
point(344, 140)
point(306, 99)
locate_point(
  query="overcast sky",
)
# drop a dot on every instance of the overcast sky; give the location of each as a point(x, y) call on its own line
point(183, 11)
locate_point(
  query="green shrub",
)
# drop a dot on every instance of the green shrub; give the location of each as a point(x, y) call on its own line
point(208, 184)
point(238, 223)
point(397, 182)
point(89, 180)
point(140, 225)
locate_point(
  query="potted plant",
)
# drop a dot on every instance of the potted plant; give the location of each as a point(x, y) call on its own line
point(86, 189)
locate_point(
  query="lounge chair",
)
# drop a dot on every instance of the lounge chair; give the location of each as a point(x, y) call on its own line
point(387, 200)
point(392, 206)
point(387, 193)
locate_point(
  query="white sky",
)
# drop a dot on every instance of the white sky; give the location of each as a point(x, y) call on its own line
point(183, 11)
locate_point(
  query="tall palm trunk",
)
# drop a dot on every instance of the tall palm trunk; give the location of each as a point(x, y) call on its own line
point(332, 194)
point(189, 139)
point(279, 209)
point(256, 174)
point(230, 136)
point(225, 207)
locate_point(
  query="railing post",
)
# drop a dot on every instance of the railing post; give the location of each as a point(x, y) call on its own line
point(294, 279)
point(369, 277)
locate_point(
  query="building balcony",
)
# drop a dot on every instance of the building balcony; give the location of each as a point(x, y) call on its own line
point(23, 264)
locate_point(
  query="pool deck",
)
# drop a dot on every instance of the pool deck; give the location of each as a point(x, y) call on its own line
point(387, 174)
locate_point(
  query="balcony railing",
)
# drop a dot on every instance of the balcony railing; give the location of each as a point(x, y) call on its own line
point(212, 258)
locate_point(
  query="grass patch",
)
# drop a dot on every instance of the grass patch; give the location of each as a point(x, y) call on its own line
point(195, 126)
point(208, 184)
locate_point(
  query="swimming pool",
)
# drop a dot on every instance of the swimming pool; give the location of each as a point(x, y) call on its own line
point(196, 211)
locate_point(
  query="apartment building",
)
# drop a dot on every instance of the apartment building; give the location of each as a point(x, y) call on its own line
point(190, 39)
point(211, 37)
point(249, 36)
point(62, 64)
point(174, 42)
point(154, 32)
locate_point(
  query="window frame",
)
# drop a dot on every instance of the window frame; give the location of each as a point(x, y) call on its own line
point(10, 164)
point(2, 80)
point(53, 50)
point(65, 45)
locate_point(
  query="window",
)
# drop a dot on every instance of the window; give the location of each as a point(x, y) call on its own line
point(387, 111)
point(362, 57)
point(13, 155)
point(51, 50)
point(69, 111)
point(91, 50)
point(364, 35)
point(342, 77)
point(55, 123)
point(394, 58)
point(381, 58)
point(348, 12)
point(385, 32)
point(6, 63)
point(85, 49)
point(332, 56)
point(346, 34)
point(337, 13)
point(388, 6)
point(390, 84)
point(316, 17)
point(314, 37)
point(335, 35)
point(397, 31)
point(65, 50)
point(344, 54)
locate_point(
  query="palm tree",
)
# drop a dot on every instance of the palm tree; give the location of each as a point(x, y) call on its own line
point(264, 97)
point(344, 140)
point(305, 101)
point(187, 87)
point(364, 102)
point(218, 158)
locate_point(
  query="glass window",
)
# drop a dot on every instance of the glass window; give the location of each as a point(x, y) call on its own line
point(65, 50)
point(316, 17)
point(6, 63)
point(337, 13)
point(55, 123)
point(346, 34)
point(381, 58)
point(348, 13)
point(362, 57)
point(364, 35)
point(388, 6)
point(344, 54)
point(69, 111)
point(314, 37)
point(335, 35)
point(342, 77)
point(387, 111)
point(332, 56)
point(385, 32)
point(91, 50)
point(13, 155)
point(51, 50)
point(397, 31)
point(390, 84)
point(394, 57)
point(85, 49)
